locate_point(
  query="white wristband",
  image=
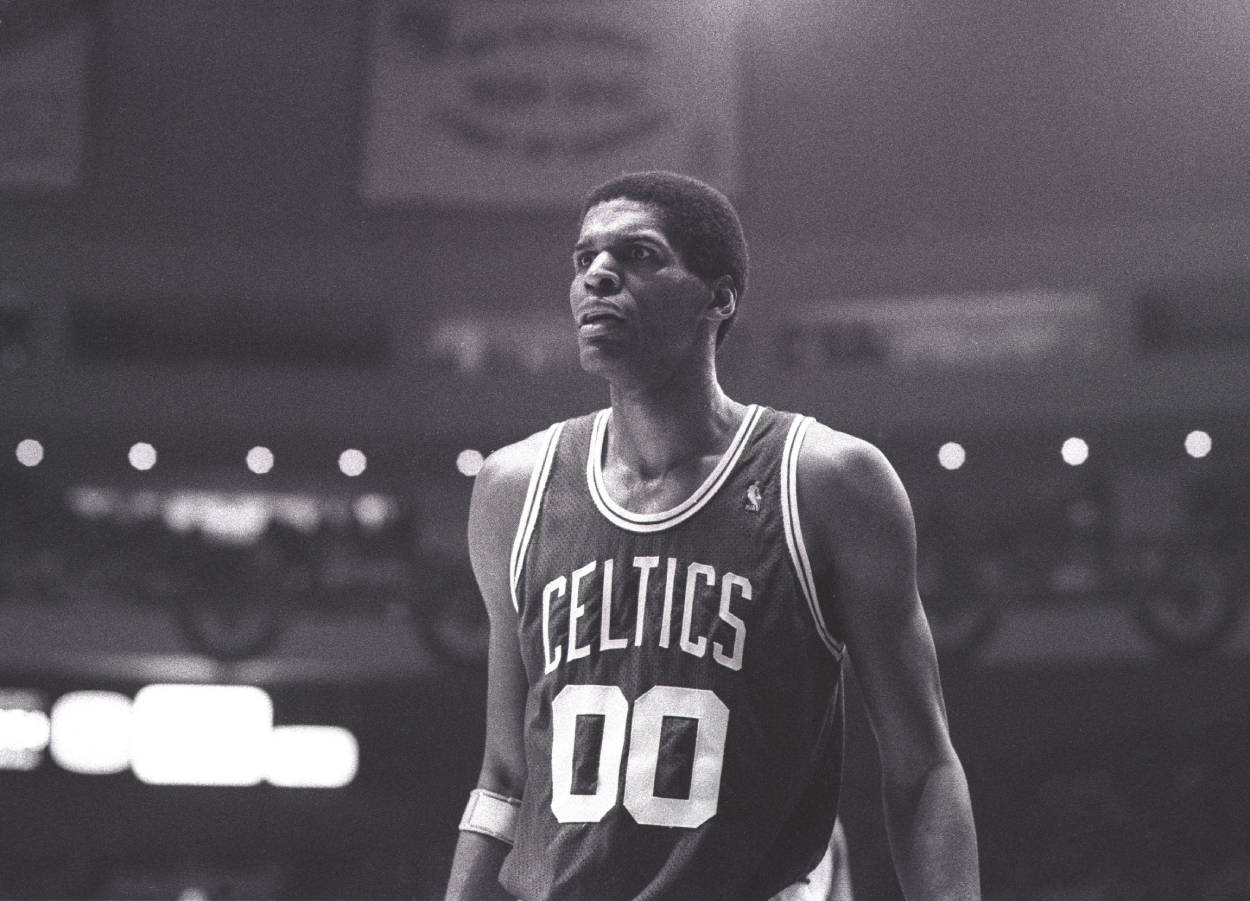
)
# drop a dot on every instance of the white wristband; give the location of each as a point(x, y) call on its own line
point(491, 814)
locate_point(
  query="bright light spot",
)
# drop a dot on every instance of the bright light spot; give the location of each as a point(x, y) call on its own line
point(352, 462)
point(175, 735)
point(1197, 444)
point(234, 519)
point(201, 734)
point(312, 757)
point(260, 460)
point(23, 729)
point(951, 455)
point(469, 462)
point(238, 520)
point(91, 732)
point(23, 736)
point(179, 514)
point(142, 456)
point(373, 510)
point(1075, 451)
point(29, 452)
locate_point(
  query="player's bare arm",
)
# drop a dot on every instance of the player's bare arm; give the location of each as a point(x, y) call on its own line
point(498, 496)
point(861, 538)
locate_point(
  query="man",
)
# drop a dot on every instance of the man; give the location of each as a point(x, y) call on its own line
point(672, 584)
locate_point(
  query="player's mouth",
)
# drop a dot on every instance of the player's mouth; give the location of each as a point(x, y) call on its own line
point(599, 320)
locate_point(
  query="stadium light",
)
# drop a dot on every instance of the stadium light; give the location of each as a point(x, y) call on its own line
point(29, 452)
point(312, 757)
point(469, 462)
point(1075, 451)
point(23, 729)
point(209, 735)
point(1197, 444)
point(951, 455)
point(260, 460)
point(91, 732)
point(201, 734)
point(142, 456)
point(352, 462)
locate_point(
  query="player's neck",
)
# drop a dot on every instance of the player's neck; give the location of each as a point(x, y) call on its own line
point(657, 429)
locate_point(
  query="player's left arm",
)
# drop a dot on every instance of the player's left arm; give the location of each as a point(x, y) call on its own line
point(861, 540)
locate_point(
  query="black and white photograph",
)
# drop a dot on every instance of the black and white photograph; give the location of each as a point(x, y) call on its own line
point(624, 450)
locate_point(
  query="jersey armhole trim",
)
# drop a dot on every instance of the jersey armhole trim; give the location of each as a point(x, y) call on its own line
point(533, 501)
point(794, 530)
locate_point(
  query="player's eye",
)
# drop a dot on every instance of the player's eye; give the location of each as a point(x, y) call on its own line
point(583, 260)
point(640, 252)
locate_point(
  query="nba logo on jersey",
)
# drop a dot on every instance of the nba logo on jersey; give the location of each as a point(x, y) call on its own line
point(753, 497)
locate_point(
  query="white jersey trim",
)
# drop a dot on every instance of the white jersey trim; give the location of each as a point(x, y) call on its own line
point(656, 522)
point(533, 502)
point(794, 530)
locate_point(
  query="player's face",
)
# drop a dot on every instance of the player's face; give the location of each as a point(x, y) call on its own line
point(640, 313)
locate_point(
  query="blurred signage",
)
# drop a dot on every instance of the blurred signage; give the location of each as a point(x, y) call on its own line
point(517, 103)
point(475, 345)
point(231, 517)
point(969, 331)
point(43, 91)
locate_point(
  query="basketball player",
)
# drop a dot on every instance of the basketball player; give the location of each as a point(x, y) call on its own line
point(672, 585)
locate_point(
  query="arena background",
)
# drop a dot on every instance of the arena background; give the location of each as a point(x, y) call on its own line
point(1007, 241)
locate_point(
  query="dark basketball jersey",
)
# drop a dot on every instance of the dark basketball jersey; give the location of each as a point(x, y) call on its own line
point(684, 720)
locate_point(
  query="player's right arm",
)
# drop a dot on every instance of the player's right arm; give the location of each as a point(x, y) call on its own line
point(494, 514)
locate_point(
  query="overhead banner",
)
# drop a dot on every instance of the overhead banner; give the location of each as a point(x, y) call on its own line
point(955, 331)
point(515, 103)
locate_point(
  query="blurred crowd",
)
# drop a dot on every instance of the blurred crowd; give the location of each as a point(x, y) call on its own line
point(1082, 793)
point(232, 596)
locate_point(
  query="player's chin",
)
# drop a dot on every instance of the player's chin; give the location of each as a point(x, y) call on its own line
point(599, 356)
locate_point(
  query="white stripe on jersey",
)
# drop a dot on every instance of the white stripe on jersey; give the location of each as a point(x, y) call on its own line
point(794, 531)
point(533, 502)
point(656, 522)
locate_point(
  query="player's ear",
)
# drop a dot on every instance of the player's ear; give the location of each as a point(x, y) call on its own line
point(724, 299)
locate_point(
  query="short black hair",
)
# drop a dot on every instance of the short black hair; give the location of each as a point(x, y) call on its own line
point(699, 221)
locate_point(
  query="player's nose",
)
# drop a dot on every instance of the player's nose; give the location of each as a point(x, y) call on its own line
point(601, 276)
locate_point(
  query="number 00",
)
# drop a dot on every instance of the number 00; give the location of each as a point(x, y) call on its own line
point(640, 799)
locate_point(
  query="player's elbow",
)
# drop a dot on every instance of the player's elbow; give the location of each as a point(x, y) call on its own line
point(909, 771)
point(502, 775)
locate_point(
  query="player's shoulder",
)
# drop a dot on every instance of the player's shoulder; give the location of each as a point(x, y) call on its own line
point(499, 492)
point(830, 453)
point(506, 472)
point(841, 468)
